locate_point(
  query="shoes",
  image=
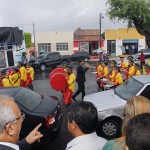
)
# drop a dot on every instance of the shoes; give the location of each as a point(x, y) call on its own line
point(73, 98)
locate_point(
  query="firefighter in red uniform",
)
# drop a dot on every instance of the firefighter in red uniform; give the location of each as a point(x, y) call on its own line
point(147, 69)
point(71, 86)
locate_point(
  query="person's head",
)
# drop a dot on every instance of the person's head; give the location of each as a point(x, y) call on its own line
point(147, 67)
point(113, 63)
point(20, 64)
point(69, 70)
point(82, 118)
point(103, 64)
point(131, 62)
point(121, 59)
point(29, 65)
point(11, 120)
point(136, 66)
point(141, 53)
point(135, 105)
point(117, 69)
point(130, 58)
point(81, 62)
point(138, 133)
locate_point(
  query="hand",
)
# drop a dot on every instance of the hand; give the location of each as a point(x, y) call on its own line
point(34, 135)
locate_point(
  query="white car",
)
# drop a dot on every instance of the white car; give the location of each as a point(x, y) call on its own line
point(110, 104)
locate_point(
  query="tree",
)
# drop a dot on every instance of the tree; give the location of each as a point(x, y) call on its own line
point(28, 41)
point(135, 12)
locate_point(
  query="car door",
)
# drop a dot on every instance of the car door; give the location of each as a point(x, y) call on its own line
point(49, 60)
point(57, 59)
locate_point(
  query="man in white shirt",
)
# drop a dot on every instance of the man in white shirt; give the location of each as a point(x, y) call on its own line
point(82, 121)
point(11, 120)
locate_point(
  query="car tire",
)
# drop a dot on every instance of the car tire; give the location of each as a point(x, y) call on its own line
point(109, 128)
point(43, 67)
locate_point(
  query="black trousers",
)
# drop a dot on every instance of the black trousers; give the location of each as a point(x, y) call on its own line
point(142, 63)
point(81, 89)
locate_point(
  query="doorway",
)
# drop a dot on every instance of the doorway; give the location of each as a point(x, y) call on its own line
point(10, 58)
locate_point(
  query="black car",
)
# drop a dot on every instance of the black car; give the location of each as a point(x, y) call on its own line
point(80, 55)
point(38, 109)
point(47, 59)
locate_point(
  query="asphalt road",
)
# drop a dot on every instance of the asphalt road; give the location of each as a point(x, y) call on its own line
point(41, 85)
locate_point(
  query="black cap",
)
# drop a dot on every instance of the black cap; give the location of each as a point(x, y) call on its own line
point(114, 62)
point(69, 67)
point(117, 68)
point(131, 61)
point(121, 56)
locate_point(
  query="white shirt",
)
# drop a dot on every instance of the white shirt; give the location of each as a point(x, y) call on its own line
point(87, 142)
point(14, 146)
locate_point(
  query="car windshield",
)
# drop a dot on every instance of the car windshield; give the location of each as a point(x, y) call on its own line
point(130, 88)
point(42, 56)
point(28, 99)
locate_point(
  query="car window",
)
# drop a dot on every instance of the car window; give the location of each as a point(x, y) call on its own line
point(147, 56)
point(146, 92)
point(50, 56)
point(57, 56)
point(28, 99)
point(76, 55)
point(127, 89)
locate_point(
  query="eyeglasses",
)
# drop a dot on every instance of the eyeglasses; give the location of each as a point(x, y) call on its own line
point(22, 116)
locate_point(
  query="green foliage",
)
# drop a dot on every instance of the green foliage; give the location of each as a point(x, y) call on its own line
point(135, 12)
point(28, 39)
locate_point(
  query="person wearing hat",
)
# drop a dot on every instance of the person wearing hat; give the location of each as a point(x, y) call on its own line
point(118, 77)
point(124, 64)
point(130, 70)
point(147, 69)
point(71, 86)
point(23, 74)
point(112, 73)
point(137, 71)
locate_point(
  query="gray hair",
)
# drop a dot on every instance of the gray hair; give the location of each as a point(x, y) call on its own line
point(6, 113)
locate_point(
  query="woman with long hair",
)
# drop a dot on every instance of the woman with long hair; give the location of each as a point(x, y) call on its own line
point(136, 105)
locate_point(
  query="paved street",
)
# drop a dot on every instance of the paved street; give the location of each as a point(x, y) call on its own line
point(41, 85)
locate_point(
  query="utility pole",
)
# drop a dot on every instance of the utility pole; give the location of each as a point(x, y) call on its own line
point(34, 34)
point(100, 26)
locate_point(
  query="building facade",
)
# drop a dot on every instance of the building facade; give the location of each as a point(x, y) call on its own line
point(123, 41)
point(87, 40)
point(55, 41)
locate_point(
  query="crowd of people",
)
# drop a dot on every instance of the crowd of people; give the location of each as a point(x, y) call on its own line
point(115, 75)
point(82, 118)
point(22, 75)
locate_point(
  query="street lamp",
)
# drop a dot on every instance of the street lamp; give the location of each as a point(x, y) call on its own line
point(100, 25)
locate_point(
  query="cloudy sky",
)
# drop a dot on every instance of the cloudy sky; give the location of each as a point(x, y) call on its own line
point(55, 15)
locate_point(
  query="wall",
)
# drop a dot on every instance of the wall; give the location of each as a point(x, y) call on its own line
point(56, 37)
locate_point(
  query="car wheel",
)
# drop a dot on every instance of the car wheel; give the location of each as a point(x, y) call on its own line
point(109, 128)
point(43, 67)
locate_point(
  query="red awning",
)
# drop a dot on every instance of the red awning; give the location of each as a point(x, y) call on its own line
point(32, 51)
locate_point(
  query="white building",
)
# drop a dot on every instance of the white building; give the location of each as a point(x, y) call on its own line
point(55, 41)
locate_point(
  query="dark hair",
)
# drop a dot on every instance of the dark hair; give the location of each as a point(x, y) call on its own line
point(80, 60)
point(84, 114)
point(138, 132)
point(117, 68)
